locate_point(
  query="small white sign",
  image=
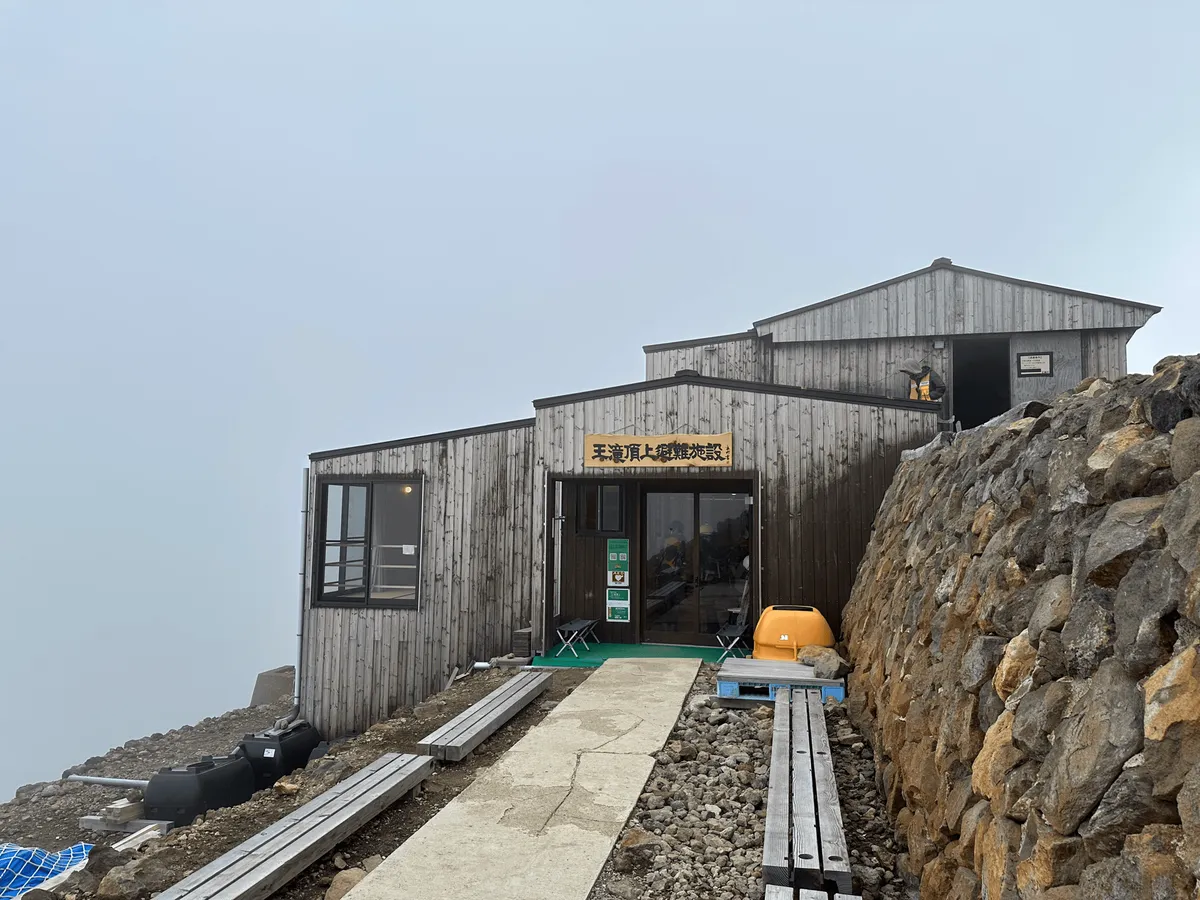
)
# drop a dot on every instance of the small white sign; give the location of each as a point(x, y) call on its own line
point(408, 549)
point(618, 579)
point(269, 753)
point(1032, 365)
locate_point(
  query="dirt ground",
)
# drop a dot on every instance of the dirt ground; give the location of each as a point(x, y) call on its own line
point(46, 814)
point(163, 862)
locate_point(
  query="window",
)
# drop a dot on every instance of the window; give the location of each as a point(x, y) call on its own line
point(370, 544)
point(599, 509)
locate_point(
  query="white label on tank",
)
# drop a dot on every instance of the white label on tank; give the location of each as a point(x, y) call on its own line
point(408, 549)
point(269, 753)
point(783, 637)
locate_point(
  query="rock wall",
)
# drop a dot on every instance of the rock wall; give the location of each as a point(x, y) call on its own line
point(1025, 631)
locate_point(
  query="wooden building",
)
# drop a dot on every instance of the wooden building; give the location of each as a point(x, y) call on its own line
point(745, 471)
point(997, 341)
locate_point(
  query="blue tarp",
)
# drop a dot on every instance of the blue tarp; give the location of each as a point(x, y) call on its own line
point(22, 868)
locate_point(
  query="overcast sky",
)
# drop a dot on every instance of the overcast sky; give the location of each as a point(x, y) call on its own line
point(234, 233)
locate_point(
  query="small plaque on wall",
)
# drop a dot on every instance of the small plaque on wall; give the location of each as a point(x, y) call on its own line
point(1035, 365)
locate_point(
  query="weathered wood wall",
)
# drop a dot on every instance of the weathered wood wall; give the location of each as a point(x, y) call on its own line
point(1067, 347)
point(861, 367)
point(362, 663)
point(949, 300)
point(739, 358)
point(823, 468)
point(1104, 353)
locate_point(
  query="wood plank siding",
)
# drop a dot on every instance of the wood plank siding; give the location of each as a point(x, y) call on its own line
point(740, 357)
point(1067, 347)
point(861, 367)
point(821, 466)
point(951, 300)
point(359, 664)
point(1104, 353)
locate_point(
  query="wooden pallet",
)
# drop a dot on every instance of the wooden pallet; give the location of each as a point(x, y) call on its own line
point(258, 867)
point(462, 734)
point(742, 681)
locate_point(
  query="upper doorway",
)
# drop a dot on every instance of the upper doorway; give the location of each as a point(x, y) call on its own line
point(696, 548)
point(979, 385)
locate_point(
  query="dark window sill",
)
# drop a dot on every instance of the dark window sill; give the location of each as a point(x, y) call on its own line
point(348, 604)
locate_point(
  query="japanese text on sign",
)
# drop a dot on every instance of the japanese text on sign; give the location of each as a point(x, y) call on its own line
point(674, 450)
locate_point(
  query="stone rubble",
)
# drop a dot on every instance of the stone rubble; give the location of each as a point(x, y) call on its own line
point(697, 830)
point(1025, 632)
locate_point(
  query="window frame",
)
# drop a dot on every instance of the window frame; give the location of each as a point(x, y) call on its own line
point(598, 487)
point(316, 595)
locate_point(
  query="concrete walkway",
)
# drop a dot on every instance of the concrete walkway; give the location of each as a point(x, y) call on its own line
point(542, 820)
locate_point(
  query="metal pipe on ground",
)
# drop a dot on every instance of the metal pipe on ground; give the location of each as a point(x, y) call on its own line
point(110, 782)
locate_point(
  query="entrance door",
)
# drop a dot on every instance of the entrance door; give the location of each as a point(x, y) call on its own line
point(979, 384)
point(696, 569)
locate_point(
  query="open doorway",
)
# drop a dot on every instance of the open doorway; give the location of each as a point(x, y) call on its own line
point(979, 384)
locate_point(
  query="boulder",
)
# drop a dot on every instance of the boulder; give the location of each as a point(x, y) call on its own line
point(1181, 521)
point(1125, 809)
point(1053, 606)
point(825, 661)
point(1015, 666)
point(1051, 662)
point(996, 760)
point(998, 860)
point(1172, 721)
point(1150, 592)
point(1116, 443)
point(1188, 809)
point(1149, 868)
point(342, 882)
point(1134, 470)
point(1087, 636)
point(1055, 860)
point(979, 662)
point(1128, 528)
point(1037, 715)
point(1091, 746)
point(1185, 449)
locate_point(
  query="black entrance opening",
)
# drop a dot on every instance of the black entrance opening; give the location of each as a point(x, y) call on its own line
point(980, 382)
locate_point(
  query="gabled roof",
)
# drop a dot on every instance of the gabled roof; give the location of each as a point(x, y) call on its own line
point(943, 298)
point(423, 439)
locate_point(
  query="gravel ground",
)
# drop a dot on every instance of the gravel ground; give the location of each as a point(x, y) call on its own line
point(697, 830)
point(870, 836)
point(47, 814)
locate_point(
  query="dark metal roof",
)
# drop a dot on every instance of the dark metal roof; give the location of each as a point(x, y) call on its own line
point(423, 439)
point(946, 264)
point(701, 342)
point(757, 387)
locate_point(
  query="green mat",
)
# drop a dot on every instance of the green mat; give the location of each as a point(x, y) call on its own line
point(600, 652)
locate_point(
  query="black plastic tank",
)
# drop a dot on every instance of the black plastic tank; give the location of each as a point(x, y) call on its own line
point(181, 793)
point(279, 751)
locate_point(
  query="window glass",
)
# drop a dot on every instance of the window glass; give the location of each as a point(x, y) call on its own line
point(395, 542)
point(610, 508)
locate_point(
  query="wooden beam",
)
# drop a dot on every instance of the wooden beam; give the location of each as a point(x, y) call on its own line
point(776, 866)
point(122, 811)
point(261, 865)
point(99, 823)
point(457, 738)
point(149, 833)
point(806, 850)
point(835, 859)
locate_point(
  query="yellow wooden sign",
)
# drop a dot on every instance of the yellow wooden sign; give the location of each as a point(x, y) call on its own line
point(624, 451)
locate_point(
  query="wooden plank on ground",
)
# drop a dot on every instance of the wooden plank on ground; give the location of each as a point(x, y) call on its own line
point(835, 859)
point(476, 711)
point(779, 892)
point(313, 808)
point(271, 864)
point(776, 862)
point(123, 811)
point(734, 667)
point(149, 833)
point(99, 823)
point(457, 739)
point(467, 739)
point(806, 849)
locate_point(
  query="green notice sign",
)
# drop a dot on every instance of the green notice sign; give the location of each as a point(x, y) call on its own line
point(618, 554)
point(616, 605)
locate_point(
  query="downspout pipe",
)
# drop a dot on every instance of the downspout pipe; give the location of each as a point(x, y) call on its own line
point(294, 712)
point(110, 782)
